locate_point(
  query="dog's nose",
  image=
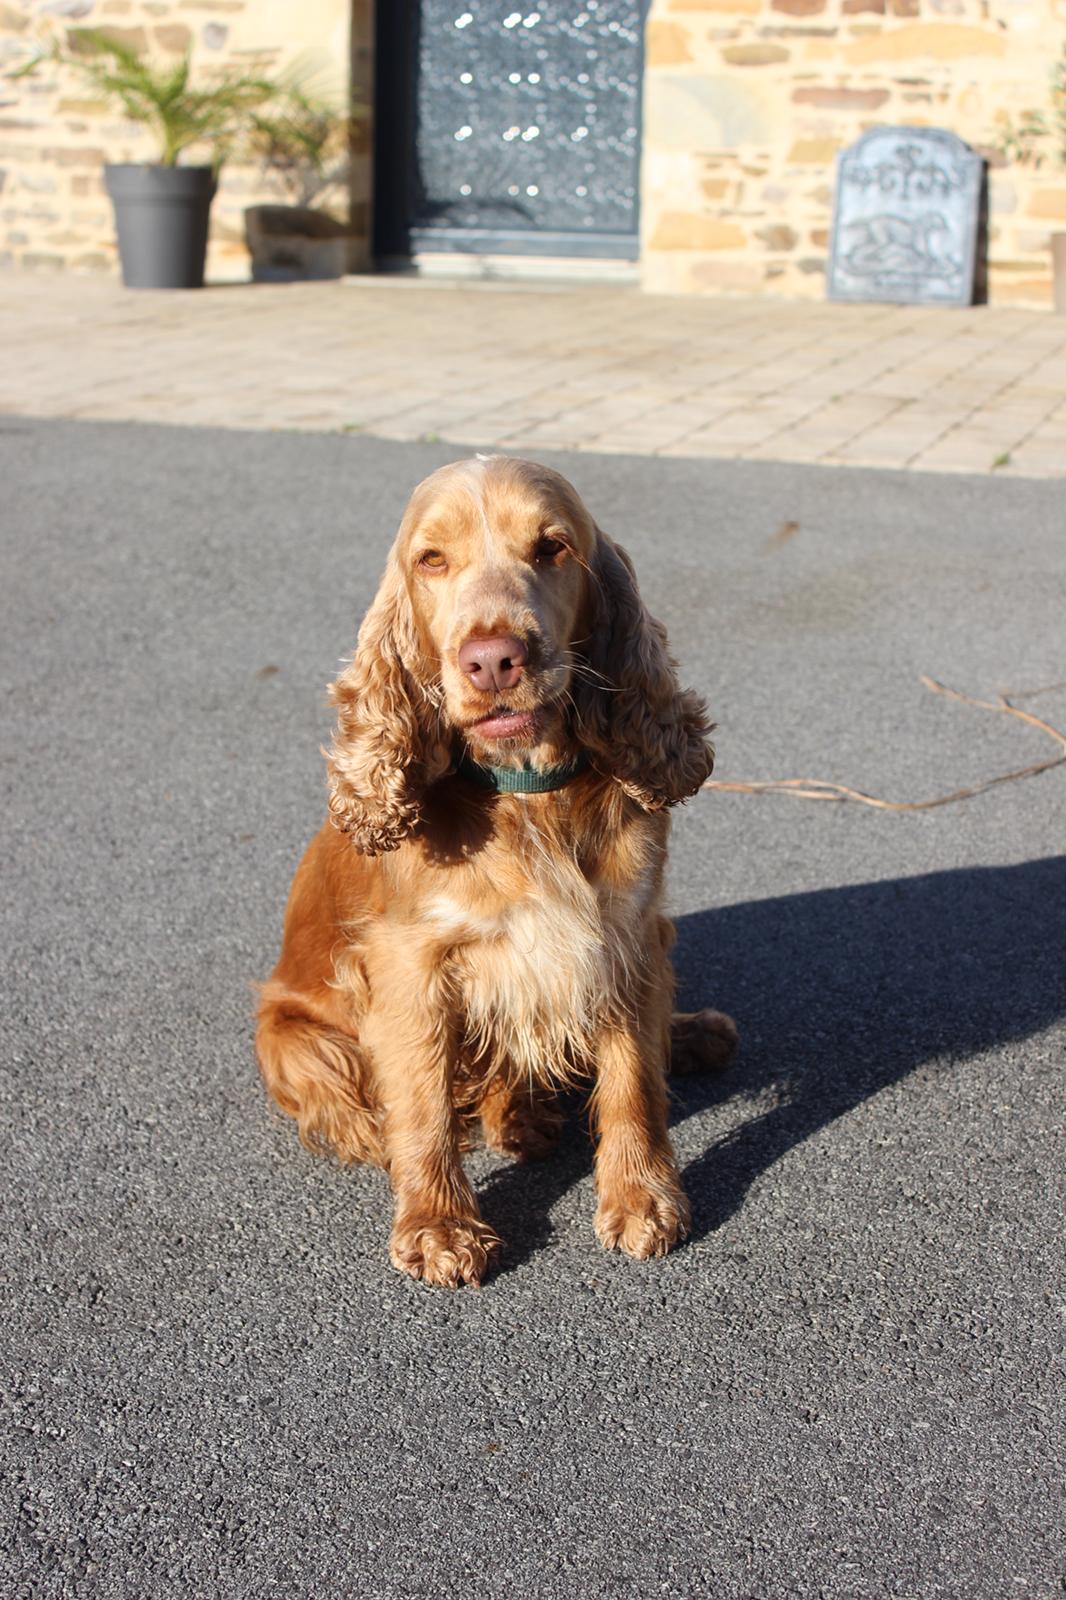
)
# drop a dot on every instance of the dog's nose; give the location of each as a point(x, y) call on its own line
point(493, 664)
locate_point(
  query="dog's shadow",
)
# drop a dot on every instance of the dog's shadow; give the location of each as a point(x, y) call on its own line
point(838, 994)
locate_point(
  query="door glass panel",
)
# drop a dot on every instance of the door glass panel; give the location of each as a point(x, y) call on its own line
point(528, 117)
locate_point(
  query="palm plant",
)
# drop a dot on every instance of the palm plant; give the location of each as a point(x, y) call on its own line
point(161, 96)
point(1026, 140)
point(301, 138)
point(162, 208)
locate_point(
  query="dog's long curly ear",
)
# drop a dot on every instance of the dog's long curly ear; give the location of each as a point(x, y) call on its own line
point(640, 726)
point(388, 743)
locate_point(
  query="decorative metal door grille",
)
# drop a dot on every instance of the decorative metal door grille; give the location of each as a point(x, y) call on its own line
point(515, 128)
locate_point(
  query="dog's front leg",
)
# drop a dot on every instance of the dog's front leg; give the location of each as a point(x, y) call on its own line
point(437, 1234)
point(642, 1206)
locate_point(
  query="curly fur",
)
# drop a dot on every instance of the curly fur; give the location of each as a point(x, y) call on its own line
point(651, 735)
point(388, 744)
point(450, 953)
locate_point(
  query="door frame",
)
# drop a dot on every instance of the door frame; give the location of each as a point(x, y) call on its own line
point(394, 239)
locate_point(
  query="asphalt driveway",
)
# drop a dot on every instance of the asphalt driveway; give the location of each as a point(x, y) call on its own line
point(847, 1384)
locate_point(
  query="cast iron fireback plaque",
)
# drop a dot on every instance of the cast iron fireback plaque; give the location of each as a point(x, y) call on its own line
point(906, 218)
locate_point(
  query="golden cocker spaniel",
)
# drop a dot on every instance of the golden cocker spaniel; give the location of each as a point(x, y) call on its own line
point(479, 924)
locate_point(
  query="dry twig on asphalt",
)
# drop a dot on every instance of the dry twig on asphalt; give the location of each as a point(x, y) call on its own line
point(822, 789)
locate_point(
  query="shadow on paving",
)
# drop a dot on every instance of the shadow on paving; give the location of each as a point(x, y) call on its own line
point(838, 994)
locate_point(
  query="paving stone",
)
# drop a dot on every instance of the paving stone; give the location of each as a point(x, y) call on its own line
point(517, 367)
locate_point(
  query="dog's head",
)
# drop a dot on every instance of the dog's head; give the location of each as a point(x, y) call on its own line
point(505, 621)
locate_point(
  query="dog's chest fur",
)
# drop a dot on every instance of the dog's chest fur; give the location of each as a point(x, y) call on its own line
point(543, 953)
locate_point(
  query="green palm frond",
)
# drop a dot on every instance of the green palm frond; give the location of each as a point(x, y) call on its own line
point(159, 96)
point(1026, 140)
point(302, 137)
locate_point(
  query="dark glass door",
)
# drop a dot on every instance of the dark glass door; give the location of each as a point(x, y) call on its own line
point(508, 129)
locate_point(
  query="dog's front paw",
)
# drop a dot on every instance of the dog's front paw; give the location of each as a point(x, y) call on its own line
point(643, 1222)
point(449, 1251)
point(702, 1041)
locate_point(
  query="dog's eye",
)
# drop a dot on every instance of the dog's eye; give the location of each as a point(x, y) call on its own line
point(548, 551)
point(432, 561)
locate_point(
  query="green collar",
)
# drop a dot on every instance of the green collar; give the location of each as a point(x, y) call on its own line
point(521, 780)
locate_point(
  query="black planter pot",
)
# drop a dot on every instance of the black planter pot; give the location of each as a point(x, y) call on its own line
point(161, 217)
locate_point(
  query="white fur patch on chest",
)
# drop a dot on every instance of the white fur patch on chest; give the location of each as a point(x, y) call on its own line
point(536, 974)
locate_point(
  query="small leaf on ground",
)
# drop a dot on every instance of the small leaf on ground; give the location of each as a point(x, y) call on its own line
point(782, 536)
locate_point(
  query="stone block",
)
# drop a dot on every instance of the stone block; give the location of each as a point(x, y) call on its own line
point(835, 99)
point(173, 36)
point(821, 50)
point(1002, 195)
point(132, 38)
point(74, 9)
point(918, 41)
point(813, 152)
point(691, 114)
point(755, 55)
point(667, 44)
point(1050, 203)
point(778, 236)
point(737, 277)
point(683, 230)
point(799, 8)
point(38, 216)
point(79, 156)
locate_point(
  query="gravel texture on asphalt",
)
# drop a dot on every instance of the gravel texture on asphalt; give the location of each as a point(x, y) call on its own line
point(847, 1384)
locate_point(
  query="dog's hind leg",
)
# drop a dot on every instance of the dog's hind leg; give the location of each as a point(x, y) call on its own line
point(701, 1041)
point(518, 1121)
point(697, 1041)
point(318, 1075)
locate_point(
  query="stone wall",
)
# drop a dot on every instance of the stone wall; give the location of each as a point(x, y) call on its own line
point(54, 138)
point(746, 103)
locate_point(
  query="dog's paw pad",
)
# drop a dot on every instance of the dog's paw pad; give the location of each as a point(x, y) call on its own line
point(644, 1225)
point(446, 1251)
